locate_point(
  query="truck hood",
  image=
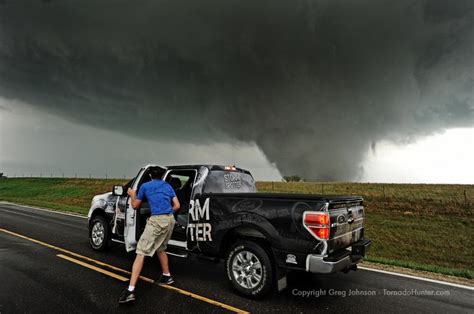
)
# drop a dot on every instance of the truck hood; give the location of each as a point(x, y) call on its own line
point(103, 197)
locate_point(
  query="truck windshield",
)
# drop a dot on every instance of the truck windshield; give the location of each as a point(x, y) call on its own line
point(220, 181)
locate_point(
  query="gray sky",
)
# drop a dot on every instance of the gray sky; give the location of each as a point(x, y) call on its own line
point(33, 142)
point(36, 143)
point(327, 90)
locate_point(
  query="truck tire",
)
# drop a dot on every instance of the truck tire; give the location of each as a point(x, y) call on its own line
point(99, 233)
point(249, 269)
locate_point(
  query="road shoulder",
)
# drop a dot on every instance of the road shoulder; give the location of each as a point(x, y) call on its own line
point(419, 273)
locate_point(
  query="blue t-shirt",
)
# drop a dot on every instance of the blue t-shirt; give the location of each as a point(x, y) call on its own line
point(159, 195)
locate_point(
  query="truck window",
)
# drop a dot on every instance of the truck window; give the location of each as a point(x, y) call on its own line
point(128, 185)
point(182, 182)
point(220, 181)
point(145, 177)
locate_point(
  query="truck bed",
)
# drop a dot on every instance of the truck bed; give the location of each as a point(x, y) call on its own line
point(292, 196)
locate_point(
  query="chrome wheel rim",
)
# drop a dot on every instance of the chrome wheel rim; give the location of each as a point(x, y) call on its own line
point(97, 234)
point(247, 269)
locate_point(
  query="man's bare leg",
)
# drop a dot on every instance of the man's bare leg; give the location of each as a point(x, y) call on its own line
point(136, 269)
point(164, 262)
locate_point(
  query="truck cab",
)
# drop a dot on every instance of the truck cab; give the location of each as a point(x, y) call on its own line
point(128, 224)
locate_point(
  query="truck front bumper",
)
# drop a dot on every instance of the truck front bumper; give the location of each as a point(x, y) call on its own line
point(340, 261)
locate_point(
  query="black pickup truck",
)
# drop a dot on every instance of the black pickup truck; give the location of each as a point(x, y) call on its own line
point(260, 236)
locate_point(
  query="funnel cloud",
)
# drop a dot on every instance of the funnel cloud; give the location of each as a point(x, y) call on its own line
point(314, 84)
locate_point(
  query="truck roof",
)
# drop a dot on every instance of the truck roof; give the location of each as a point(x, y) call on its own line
point(197, 167)
point(211, 167)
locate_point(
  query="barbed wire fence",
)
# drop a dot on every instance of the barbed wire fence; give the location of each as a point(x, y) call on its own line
point(387, 192)
point(65, 175)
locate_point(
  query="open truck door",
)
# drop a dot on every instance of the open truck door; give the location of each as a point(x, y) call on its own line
point(130, 229)
point(130, 226)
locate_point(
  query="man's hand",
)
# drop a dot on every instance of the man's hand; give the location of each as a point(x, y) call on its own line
point(132, 193)
point(133, 198)
point(176, 205)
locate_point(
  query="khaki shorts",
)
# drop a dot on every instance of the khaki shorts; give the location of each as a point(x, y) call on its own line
point(157, 233)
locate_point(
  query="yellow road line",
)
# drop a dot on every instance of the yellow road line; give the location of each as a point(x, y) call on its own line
point(97, 269)
point(181, 291)
point(199, 297)
point(74, 254)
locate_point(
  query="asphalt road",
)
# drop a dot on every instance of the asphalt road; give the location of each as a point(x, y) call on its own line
point(33, 278)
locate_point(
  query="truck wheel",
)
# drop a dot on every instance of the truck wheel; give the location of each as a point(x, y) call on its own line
point(249, 269)
point(99, 234)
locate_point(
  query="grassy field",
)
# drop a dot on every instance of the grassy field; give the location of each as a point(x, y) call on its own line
point(425, 227)
point(72, 195)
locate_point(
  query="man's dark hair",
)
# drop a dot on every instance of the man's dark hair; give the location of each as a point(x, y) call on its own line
point(157, 173)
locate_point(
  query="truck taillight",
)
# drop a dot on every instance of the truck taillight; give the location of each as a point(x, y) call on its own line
point(317, 223)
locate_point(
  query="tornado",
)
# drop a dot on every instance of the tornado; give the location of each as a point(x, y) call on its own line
point(314, 84)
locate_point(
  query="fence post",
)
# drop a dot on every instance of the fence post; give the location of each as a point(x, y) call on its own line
point(273, 186)
point(383, 188)
point(465, 197)
point(322, 188)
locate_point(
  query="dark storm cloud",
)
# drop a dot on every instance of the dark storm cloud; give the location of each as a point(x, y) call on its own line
point(315, 84)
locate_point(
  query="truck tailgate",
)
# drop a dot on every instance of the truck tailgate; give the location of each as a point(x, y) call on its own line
point(347, 223)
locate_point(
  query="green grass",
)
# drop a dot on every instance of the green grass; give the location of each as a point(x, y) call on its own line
point(424, 267)
point(420, 226)
point(71, 195)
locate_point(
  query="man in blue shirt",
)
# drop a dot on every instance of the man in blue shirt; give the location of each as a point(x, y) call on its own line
point(159, 227)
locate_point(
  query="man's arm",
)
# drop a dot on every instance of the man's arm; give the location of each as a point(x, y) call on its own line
point(134, 201)
point(176, 204)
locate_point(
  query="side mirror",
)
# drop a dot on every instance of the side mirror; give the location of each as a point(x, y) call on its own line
point(117, 190)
